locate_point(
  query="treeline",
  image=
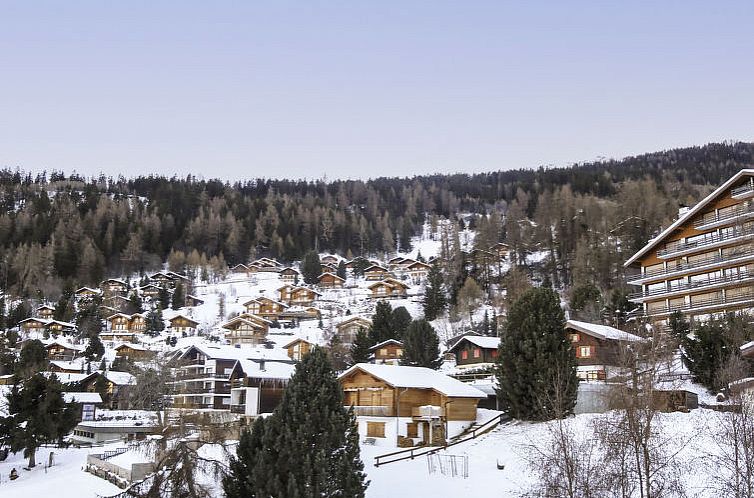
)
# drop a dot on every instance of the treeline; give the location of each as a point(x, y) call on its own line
point(58, 229)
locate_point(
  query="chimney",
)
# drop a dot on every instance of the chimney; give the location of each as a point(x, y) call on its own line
point(683, 210)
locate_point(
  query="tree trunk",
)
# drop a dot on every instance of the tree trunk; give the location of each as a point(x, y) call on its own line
point(32, 458)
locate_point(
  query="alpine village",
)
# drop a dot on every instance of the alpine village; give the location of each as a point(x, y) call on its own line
point(581, 331)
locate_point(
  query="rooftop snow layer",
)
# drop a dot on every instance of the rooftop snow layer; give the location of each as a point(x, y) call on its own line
point(418, 377)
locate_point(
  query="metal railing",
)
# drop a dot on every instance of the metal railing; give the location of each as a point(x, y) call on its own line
point(202, 375)
point(238, 409)
point(690, 266)
point(692, 285)
point(716, 218)
point(717, 301)
point(411, 453)
point(743, 189)
point(714, 238)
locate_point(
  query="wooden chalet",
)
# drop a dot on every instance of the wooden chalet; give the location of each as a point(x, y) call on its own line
point(33, 325)
point(330, 281)
point(192, 301)
point(348, 328)
point(113, 286)
point(246, 329)
point(57, 327)
point(475, 351)
point(328, 269)
point(410, 405)
point(62, 351)
point(395, 262)
point(45, 311)
point(297, 295)
point(298, 348)
point(387, 289)
point(118, 336)
point(330, 259)
point(66, 367)
point(417, 271)
point(597, 348)
point(241, 268)
point(298, 313)
point(151, 291)
point(290, 275)
point(119, 322)
point(84, 293)
point(376, 272)
point(134, 352)
point(265, 307)
point(116, 384)
point(181, 324)
point(500, 251)
point(261, 387)
point(266, 265)
point(387, 352)
point(117, 301)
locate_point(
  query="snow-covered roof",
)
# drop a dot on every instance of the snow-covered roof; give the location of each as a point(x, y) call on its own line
point(272, 369)
point(82, 398)
point(419, 378)
point(688, 215)
point(602, 331)
point(485, 342)
point(64, 344)
point(240, 353)
point(385, 343)
point(119, 378)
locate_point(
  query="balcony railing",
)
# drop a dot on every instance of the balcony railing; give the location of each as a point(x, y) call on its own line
point(743, 190)
point(372, 411)
point(202, 375)
point(697, 305)
point(686, 267)
point(238, 409)
point(193, 406)
point(707, 241)
point(715, 218)
point(692, 285)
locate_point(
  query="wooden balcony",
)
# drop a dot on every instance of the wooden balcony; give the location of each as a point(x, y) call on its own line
point(713, 240)
point(372, 411)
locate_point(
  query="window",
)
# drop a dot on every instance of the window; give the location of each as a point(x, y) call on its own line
point(383, 351)
point(399, 352)
point(464, 355)
point(585, 351)
point(375, 429)
point(493, 353)
point(573, 337)
point(477, 352)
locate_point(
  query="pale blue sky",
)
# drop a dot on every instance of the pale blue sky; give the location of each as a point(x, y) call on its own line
point(363, 89)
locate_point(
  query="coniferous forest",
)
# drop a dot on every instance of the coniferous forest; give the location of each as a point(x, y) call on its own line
point(58, 231)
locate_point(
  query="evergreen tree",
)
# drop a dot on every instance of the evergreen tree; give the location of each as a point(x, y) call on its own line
point(94, 350)
point(137, 305)
point(7, 355)
point(434, 301)
point(33, 358)
point(179, 296)
point(421, 346)
point(586, 302)
point(536, 366)
point(37, 415)
point(163, 297)
point(307, 448)
point(311, 267)
point(401, 319)
point(155, 322)
point(382, 323)
point(341, 269)
point(360, 348)
point(3, 321)
point(359, 265)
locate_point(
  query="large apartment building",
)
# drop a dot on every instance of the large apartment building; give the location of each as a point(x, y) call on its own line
point(703, 263)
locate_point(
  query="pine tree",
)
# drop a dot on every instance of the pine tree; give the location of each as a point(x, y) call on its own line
point(155, 323)
point(95, 349)
point(360, 348)
point(536, 366)
point(137, 305)
point(382, 323)
point(33, 358)
point(341, 269)
point(179, 296)
point(311, 267)
point(401, 319)
point(163, 297)
point(421, 346)
point(307, 448)
point(37, 414)
point(434, 301)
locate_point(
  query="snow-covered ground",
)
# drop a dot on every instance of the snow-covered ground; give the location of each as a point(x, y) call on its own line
point(65, 479)
point(691, 434)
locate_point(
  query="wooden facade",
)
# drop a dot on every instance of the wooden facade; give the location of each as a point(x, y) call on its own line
point(389, 352)
point(703, 264)
point(246, 329)
point(297, 295)
point(265, 307)
point(330, 281)
point(298, 348)
point(348, 328)
point(475, 351)
point(388, 289)
point(181, 324)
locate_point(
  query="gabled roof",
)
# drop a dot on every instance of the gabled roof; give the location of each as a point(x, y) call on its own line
point(333, 275)
point(297, 339)
point(83, 397)
point(418, 378)
point(385, 343)
point(418, 263)
point(601, 331)
point(253, 320)
point(240, 353)
point(376, 268)
point(86, 289)
point(484, 342)
point(688, 215)
point(288, 269)
point(354, 318)
point(63, 344)
point(264, 298)
point(176, 317)
point(115, 281)
point(390, 282)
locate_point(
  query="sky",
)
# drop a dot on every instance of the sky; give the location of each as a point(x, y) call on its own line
point(360, 89)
